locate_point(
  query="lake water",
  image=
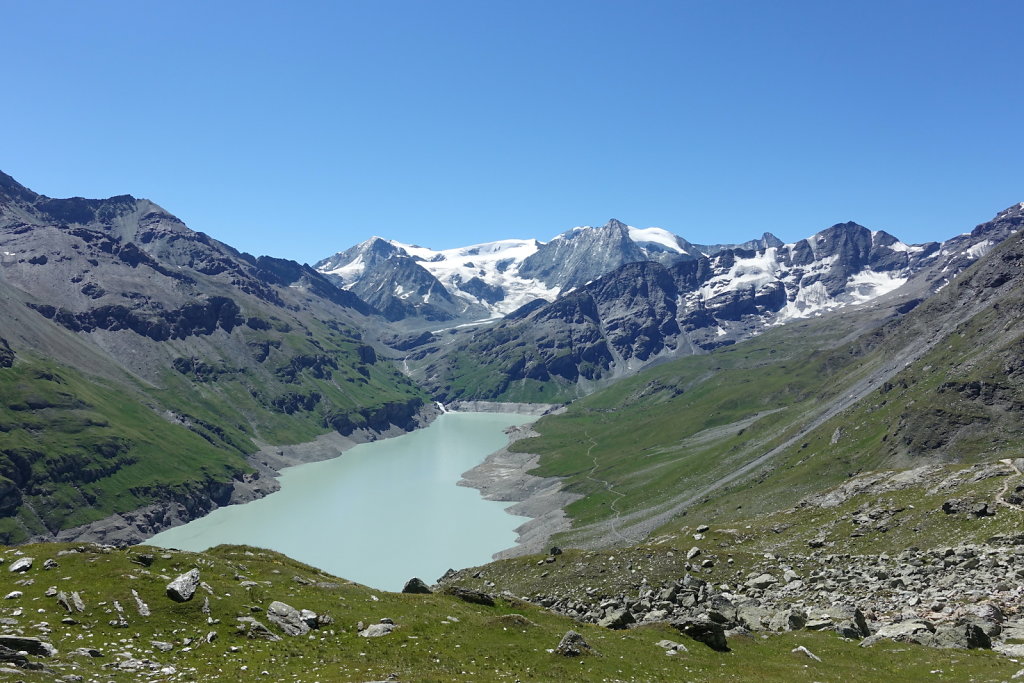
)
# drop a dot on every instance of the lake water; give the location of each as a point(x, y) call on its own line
point(380, 513)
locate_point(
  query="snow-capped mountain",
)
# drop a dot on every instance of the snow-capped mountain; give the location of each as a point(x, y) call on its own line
point(644, 312)
point(844, 264)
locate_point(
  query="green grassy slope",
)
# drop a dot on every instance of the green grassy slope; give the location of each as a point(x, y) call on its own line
point(638, 449)
point(437, 637)
point(76, 447)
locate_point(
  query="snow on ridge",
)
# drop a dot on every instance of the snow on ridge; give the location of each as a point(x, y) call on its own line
point(658, 236)
point(350, 271)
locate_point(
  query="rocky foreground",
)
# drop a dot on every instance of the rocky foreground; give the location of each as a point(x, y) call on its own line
point(967, 597)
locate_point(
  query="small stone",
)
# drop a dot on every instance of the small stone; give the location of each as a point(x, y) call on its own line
point(13, 595)
point(255, 630)
point(804, 651)
point(50, 564)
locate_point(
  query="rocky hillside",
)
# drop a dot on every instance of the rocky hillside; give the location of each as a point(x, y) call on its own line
point(646, 312)
point(142, 362)
point(88, 612)
point(754, 426)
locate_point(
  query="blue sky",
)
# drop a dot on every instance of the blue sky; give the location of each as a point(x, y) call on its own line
point(298, 129)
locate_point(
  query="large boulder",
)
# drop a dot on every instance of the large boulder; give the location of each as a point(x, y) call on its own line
point(573, 645)
point(22, 564)
point(791, 619)
point(415, 585)
point(184, 587)
point(617, 619)
point(287, 618)
point(704, 631)
point(33, 646)
point(964, 634)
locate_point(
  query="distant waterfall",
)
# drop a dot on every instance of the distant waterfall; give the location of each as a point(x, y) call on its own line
point(441, 406)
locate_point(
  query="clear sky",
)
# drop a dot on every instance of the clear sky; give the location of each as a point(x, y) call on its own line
point(298, 129)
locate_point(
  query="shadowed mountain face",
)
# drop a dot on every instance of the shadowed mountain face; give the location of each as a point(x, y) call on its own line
point(141, 361)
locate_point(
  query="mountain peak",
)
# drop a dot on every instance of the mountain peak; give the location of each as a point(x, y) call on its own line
point(615, 224)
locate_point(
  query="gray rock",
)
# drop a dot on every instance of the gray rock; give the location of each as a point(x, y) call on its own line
point(13, 595)
point(573, 645)
point(617, 619)
point(762, 581)
point(140, 604)
point(703, 631)
point(287, 618)
point(22, 564)
point(914, 631)
point(791, 619)
point(377, 630)
point(256, 630)
point(33, 646)
point(87, 652)
point(416, 585)
point(964, 634)
point(184, 587)
point(162, 645)
point(9, 656)
point(469, 595)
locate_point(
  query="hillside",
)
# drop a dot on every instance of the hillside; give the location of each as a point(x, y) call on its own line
point(143, 362)
point(754, 427)
point(257, 615)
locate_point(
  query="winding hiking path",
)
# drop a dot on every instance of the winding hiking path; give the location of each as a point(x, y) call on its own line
point(1001, 496)
point(607, 485)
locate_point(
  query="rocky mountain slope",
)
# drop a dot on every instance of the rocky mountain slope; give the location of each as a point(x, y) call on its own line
point(646, 312)
point(143, 362)
point(757, 425)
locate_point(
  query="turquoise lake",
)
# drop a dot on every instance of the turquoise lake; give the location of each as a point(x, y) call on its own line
point(381, 512)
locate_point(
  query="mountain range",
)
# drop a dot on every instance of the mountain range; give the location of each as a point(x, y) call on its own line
point(803, 439)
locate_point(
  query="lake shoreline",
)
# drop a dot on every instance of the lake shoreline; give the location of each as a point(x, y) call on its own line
point(504, 476)
point(138, 525)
